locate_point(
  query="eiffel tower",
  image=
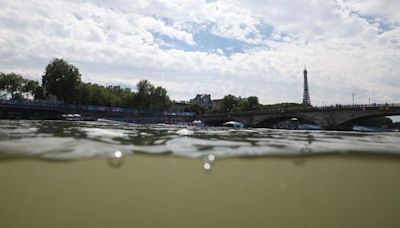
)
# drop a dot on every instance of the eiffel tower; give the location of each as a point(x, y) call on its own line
point(306, 93)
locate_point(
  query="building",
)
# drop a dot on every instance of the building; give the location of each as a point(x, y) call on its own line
point(204, 100)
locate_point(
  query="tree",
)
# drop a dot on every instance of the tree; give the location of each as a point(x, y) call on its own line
point(253, 103)
point(18, 96)
point(61, 79)
point(12, 83)
point(159, 99)
point(149, 97)
point(31, 87)
point(17, 86)
point(38, 94)
point(93, 94)
point(230, 103)
point(142, 97)
point(195, 108)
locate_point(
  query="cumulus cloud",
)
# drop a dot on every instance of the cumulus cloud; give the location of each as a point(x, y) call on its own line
point(349, 46)
point(381, 10)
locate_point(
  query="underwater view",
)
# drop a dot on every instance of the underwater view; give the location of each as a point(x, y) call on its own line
point(111, 174)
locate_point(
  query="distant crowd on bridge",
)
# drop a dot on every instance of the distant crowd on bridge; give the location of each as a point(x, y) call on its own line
point(352, 106)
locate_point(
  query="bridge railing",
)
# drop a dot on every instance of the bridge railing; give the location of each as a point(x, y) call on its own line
point(356, 106)
point(94, 108)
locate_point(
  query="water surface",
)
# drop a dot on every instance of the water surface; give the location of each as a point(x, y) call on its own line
point(104, 174)
point(75, 140)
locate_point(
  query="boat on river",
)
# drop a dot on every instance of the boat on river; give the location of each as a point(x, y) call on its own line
point(233, 124)
point(77, 117)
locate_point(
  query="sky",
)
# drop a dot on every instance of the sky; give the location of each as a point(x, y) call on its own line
point(240, 47)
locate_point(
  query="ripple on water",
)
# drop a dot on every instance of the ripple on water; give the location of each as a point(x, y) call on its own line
point(76, 140)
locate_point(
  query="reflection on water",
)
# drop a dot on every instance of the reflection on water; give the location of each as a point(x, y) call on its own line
point(64, 140)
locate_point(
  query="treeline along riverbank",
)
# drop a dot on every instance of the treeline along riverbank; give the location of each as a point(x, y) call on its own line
point(61, 82)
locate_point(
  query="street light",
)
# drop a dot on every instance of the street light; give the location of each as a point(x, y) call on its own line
point(353, 95)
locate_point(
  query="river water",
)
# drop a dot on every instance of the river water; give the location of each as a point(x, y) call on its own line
point(109, 174)
point(68, 140)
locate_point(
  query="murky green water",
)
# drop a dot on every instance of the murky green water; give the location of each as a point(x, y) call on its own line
point(102, 174)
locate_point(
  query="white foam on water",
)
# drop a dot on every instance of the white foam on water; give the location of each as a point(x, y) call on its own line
point(184, 132)
point(99, 132)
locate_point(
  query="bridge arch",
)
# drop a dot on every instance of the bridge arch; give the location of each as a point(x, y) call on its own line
point(270, 121)
point(348, 123)
point(220, 121)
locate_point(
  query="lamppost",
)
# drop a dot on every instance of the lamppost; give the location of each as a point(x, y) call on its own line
point(353, 95)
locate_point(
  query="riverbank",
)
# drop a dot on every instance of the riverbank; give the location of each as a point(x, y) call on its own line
point(169, 191)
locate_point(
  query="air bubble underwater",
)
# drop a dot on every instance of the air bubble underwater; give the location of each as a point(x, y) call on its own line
point(115, 159)
point(208, 164)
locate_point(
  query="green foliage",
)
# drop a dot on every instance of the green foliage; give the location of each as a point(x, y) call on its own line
point(195, 108)
point(253, 103)
point(15, 85)
point(159, 99)
point(61, 79)
point(18, 96)
point(93, 94)
point(32, 87)
point(249, 104)
point(149, 97)
point(64, 81)
point(143, 95)
point(230, 103)
point(11, 83)
point(38, 93)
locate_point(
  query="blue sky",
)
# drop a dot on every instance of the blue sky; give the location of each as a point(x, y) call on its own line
point(241, 47)
point(205, 42)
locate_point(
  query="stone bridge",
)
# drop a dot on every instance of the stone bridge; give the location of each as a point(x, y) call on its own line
point(329, 118)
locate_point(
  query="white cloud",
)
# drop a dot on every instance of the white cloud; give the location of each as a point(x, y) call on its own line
point(344, 44)
point(157, 26)
point(384, 9)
